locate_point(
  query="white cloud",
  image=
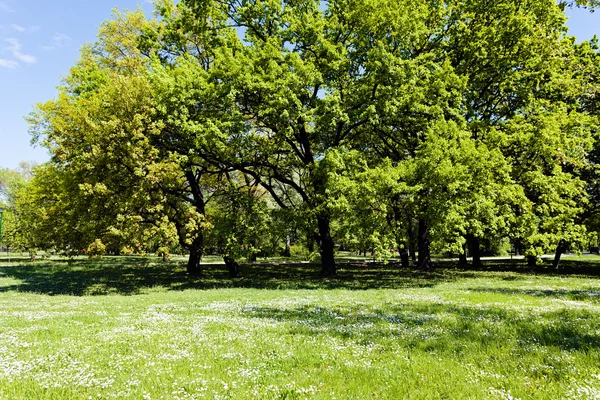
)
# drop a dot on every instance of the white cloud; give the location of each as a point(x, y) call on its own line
point(29, 29)
point(8, 63)
point(14, 47)
point(5, 8)
point(59, 40)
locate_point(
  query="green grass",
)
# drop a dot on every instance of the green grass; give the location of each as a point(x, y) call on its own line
point(135, 328)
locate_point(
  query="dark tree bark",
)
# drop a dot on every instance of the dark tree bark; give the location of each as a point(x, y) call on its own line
point(197, 246)
point(475, 250)
point(518, 248)
point(232, 267)
point(310, 243)
point(462, 258)
point(404, 258)
point(561, 248)
point(196, 252)
point(531, 262)
point(326, 246)
point(424, 262)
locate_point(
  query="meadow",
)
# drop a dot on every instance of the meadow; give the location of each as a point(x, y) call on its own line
point(136, 328)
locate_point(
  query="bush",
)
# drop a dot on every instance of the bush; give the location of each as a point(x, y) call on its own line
point(300, 251)
point(501, 247)
point(96, 249)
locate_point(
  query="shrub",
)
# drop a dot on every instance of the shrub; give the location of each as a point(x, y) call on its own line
point(96, 249)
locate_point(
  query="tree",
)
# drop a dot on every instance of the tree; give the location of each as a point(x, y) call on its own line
point(12, 182)
point(301, 93)
point(101, 132)
point(41, 208)
point(129, 127)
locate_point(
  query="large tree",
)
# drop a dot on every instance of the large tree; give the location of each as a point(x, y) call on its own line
point(107, 133)
point(302, 92)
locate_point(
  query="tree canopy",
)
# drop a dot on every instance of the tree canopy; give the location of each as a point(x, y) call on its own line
point(369, 125)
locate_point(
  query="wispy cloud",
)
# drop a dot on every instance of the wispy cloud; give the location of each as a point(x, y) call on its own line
point(4, 63)
point(59, 40)
point(28, 29)
point(14, 48)
point(5, 8)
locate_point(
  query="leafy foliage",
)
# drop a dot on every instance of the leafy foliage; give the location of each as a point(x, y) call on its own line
point(364, 125)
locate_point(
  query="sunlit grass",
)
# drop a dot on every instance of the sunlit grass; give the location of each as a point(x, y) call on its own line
point(135, 328)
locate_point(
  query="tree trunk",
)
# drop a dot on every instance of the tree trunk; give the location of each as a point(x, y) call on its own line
point(197, 246)
point(518, 248)
point(531, 262)
point(475, 251)
point(561, 248)
point(288, 247)
point(196, 253)
point(412, 243)
point(462, 258)
point(404, 258)
point(310, 243)
point(232, 267)
point(424, 262)
point(193, 265)
point(326, 246)
point(254, 255)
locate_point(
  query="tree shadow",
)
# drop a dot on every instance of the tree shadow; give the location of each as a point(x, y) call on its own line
point(592, 295)
point(130, 276)
point(13, 258)
point(576, 268)
point(439, 327)
point(134, 275)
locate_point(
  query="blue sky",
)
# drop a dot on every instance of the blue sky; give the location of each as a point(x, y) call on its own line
point(40, 41)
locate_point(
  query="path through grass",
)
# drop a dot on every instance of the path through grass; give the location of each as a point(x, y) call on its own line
point(127, 328)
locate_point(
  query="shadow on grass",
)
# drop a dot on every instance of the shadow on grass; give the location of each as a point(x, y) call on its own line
point(129, 276)
point(442, 327)
point(133, 275)
point(574, 295)
point(580, 267)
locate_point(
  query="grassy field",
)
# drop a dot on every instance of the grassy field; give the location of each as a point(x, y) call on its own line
point(135, 328)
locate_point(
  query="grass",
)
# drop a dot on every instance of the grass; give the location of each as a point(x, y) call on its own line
point(136, 328)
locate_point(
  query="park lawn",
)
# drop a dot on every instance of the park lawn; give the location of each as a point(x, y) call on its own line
point(135, 328)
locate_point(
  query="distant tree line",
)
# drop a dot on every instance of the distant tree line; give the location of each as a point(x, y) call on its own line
point(254, 128)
